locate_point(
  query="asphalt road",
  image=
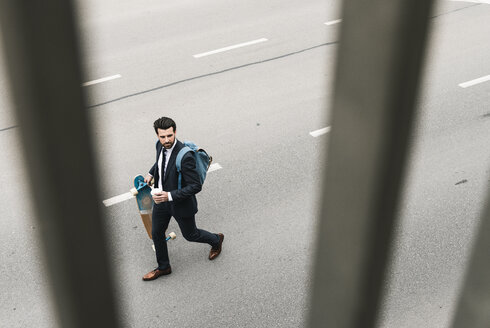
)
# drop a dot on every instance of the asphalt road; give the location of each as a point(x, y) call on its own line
point(253, 108)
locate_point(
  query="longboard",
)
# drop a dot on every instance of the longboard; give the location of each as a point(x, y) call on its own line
point(142, 193)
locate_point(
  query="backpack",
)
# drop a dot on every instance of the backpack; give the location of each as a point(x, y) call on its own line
point(203, 161)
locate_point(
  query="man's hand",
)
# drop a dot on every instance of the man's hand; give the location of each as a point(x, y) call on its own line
point(148, 179)
point(160, 197)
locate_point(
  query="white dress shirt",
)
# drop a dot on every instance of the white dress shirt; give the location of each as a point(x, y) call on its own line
point(160, 160)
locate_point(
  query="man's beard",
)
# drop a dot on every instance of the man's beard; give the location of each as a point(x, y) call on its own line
point(168, 145)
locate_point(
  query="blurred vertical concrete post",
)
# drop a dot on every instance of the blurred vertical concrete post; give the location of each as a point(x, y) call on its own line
point(40, 42)
point(378, 68)
point(474, 303)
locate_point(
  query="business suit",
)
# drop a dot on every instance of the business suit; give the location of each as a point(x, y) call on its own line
point(183, 206)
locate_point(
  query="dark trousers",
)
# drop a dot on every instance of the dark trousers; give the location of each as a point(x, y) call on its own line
point(160, 219)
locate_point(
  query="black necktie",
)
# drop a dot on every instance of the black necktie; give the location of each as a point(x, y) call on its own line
point(162, 172)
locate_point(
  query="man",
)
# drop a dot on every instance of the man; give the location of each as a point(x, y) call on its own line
point(171, 201)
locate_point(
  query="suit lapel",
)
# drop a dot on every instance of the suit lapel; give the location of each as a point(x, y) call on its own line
point(159, 150)
point(156, 174)
point(173, 157)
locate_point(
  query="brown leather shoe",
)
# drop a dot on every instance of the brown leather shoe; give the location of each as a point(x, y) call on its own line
point(216, 250)
point(152, 275)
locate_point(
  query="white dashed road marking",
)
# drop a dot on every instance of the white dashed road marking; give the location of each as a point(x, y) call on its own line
point(128, 195)
point(117, 199)
point(333, 22)
point(320, 132)
point(104, 79)
point(240, 45)
point(474, 1)
point(475, 81)
point(214, 167)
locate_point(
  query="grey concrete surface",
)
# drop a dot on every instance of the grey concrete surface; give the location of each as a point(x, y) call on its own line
point(255, 120)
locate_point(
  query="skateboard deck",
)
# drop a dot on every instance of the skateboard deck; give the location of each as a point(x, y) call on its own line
point(142, 193)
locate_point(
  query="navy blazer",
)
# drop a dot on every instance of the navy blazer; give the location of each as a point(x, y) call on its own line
point(184, 202)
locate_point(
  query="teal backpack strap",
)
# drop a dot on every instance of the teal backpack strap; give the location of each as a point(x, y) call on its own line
point(178, 163)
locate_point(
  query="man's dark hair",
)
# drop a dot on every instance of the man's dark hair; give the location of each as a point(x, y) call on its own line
point(164, 123)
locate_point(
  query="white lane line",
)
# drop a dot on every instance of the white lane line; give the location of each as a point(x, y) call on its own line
point(128, 195)
point(475, 81)
point(230, 48)
point(333, 22)
point(319, 132)
point(474, 1)
point(214, 167)
point(104, 79)
point(117, 199)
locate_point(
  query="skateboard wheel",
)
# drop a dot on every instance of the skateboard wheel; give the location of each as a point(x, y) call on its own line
point(172, 235)
point(133, 191)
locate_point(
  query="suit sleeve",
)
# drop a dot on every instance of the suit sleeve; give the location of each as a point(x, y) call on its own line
point(152, 170)
point(154, 167)
point(191, 183)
